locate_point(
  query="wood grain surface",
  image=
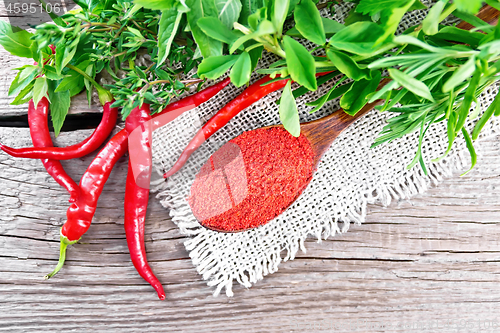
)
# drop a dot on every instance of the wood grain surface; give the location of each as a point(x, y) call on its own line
point(428, 264)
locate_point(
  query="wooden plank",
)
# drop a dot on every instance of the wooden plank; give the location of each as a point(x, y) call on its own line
point(434, 257)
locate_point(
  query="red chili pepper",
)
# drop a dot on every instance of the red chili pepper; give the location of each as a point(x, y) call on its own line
point(249, 96)
point(136, 203)
point(39, 130)
point(80, 213)
point(196, 99)
point(81, 149)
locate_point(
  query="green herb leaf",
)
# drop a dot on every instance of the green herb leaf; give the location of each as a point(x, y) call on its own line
point(214, 67)
point(415, 86)
point(329, 95)
point(460, 75)
point(209, 47)
point(459, 35)
point(24, 77)
point(431, 21)
point(65, 53)
point(59, 106)
point(471, 19)
point(90, 5)
point(468, 6)
point(391, 19)
point(162, 75)
point(248, 8)
point(417, 5)
point(477, 109)
point(331, 27)
point(357, 95)
point(24, 95)
point(348, 66)
point(90, 71)
point(308, 22)
point(40, 89)
point(463, 110)
point(300, 63)
point(423, 129)
point(167, 29)
point(16, 43)
point(149, 97)
point(265, 28)
point(255, 55)
point(51, 73)
point(229, 11)
point(372, 7)
point(130, 12)
point(73, 82)
point(215, 29)
point(472, 151)
point(156, 4)
point(358, 38)
point(406, 39)
point(242, 69)
point(450, 130)
point(279, 14)
point(257, 17)
point(289, 115)
point(354, 17)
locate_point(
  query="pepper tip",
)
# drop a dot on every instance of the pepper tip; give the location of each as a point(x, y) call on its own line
point(169, 173)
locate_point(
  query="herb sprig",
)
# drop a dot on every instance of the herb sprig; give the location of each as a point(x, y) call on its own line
point(437, 71)
point(103, 36)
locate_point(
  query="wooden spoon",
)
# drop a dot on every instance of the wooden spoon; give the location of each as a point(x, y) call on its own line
point(320, 133)
point(221, 184)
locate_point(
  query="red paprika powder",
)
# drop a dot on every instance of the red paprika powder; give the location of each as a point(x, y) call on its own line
point(251, 179)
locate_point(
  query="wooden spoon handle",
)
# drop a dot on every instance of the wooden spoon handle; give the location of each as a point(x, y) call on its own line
point(333, 124)
point(322, 132)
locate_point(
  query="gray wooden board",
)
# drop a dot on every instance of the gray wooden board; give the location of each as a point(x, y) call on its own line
point(434, 259)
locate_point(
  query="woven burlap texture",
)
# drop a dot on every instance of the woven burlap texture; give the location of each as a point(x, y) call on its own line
point(350, 176)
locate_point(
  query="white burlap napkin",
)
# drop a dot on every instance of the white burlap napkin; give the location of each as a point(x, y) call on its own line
point(350, 176)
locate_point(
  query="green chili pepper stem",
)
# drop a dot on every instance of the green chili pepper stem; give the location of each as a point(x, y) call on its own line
point(62, 256)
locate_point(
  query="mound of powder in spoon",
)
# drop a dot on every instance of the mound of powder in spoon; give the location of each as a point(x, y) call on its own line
point(251, 179)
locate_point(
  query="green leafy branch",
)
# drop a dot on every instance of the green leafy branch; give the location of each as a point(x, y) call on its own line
point(437, 71)
point(103, 36)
